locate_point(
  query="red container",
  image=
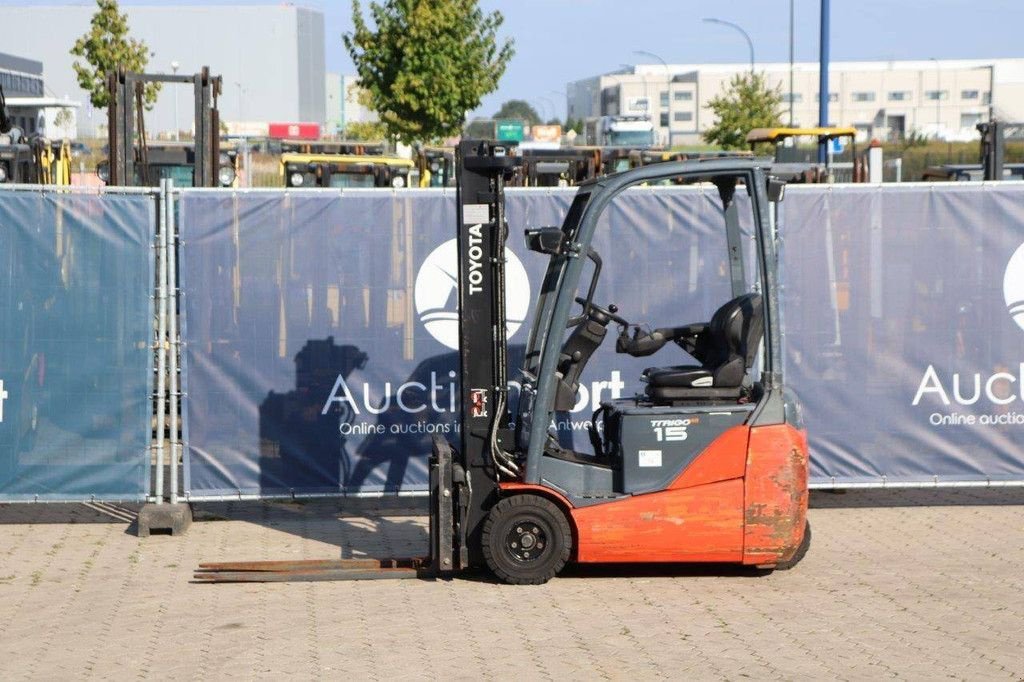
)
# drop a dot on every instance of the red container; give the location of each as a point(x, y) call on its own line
point(294, 131)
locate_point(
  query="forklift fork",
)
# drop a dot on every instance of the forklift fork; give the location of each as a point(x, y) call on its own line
point(449, 504)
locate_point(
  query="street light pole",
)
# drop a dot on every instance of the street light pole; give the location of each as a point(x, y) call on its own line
point(750, 43)
point(551, 104)
point(668, 81)
point(174, 70)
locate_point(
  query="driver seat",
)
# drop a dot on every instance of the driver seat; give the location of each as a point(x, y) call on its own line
point(726, 347)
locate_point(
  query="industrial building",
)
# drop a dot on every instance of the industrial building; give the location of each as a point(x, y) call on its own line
point(271, 58)
point(28, 104)
point(941, 98)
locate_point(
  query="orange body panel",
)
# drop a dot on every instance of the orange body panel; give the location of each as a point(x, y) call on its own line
point(775, 510)
point(744, 499)
point(703, 523)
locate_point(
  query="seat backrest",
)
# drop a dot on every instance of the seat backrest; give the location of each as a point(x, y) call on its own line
point(734, 335)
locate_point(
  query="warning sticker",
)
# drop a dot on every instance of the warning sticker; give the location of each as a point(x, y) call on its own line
point(476, 214)
point(650, 458)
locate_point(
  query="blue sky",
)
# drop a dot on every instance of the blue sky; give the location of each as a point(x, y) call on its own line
point(563, 40)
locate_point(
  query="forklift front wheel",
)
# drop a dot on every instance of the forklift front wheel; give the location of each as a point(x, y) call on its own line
point(526, 540)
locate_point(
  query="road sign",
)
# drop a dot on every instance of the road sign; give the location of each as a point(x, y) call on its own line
point(509, 130)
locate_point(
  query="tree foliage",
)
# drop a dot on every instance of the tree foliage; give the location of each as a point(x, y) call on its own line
point(105, 47)
point(366, 131)
point(574, 124)
point(518, 109)
point(426, 63)
point(746, 103)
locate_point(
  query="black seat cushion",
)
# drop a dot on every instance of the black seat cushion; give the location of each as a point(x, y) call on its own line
point(726, 349)
point(685, 377)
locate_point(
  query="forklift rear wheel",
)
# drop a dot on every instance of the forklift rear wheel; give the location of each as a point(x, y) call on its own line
point(526, 540)
point(805, 544)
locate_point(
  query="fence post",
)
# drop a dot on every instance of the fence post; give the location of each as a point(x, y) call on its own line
point(173, 338)
point(161, 345)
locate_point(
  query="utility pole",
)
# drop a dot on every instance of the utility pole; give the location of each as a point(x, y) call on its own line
point(790, 63)
point(174, 70)
point(823, 79)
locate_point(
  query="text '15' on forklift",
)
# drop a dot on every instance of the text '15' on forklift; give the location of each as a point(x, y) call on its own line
point(708, 465)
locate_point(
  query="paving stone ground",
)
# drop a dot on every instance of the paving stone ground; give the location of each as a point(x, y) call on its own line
point(918, 585)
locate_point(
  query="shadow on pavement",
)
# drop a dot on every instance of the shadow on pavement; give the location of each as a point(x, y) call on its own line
point(917, 497)
point(67, 512)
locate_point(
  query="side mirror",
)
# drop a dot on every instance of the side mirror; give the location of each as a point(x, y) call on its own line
point(547, 240)
point(776, 189)
point(103, 171)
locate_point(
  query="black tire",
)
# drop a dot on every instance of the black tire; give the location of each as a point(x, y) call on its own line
point(526, 540)
point(805, 544)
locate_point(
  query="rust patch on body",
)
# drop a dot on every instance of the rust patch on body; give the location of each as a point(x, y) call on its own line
point(775, 510)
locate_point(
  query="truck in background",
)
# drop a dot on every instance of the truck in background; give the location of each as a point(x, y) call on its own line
point(620, 131)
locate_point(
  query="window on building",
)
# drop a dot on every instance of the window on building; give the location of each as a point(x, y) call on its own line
point(832, 97)
point(936, 95)
point(794, 97)
point(664, 119)
point(664, 98)
point(986, 98)
point(681, 116)
point(969, 94)
point(899, 95)
point(969, 120)
point(863, 97)
point(682, 96)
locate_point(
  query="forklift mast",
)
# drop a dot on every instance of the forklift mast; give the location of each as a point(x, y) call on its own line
point(483, 169)
point(125, 121)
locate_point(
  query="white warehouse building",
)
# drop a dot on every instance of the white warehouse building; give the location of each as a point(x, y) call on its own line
point(942, 98)
point(271, 58)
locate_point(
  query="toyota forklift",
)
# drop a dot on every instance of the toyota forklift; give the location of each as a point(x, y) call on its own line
point(708, 464)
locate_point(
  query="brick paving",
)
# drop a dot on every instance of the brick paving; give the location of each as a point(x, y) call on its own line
point(913, 584)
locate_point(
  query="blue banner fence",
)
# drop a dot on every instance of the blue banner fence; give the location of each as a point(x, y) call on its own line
point(76, 339)
point(318, 332)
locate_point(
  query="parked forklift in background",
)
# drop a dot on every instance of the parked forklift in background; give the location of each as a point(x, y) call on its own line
point(133, 161)
point(708, 464)
point(32, 160)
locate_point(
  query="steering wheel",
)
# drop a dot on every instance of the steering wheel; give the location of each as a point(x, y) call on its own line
point(608, 313)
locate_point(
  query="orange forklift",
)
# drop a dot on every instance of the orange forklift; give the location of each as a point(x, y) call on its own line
point(708, 464)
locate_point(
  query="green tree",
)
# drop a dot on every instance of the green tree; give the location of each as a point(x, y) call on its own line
point(366, 131)
point(426, 63)
point(104, 48)
point(747, 103)
point(518, 109)
point(574, 124)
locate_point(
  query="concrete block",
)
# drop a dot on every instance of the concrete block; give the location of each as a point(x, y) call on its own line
point(175, 518)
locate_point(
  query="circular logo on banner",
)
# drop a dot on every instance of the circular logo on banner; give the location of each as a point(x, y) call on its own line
point(437, 294)
point(1013, 286)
